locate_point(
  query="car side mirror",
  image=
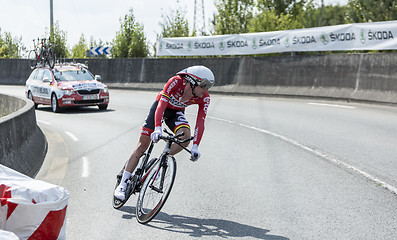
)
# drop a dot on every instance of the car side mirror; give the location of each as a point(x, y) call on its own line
point(98, 77)
point(46, 80)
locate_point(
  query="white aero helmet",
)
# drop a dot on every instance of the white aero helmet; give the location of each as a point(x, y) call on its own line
point(199, 76)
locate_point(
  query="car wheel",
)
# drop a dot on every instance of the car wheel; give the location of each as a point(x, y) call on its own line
point(54, 104)
point(103, 106)
point(30, 96)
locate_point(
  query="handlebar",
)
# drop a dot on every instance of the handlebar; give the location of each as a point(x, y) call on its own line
point(42, 42)
point(175, 139)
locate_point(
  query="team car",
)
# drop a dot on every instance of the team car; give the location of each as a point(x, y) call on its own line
point(66, 85)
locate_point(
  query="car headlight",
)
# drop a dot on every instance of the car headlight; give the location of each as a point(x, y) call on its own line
point(68, 92)
point(105, 90)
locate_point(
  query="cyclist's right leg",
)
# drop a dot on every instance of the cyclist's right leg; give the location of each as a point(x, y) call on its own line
point(140, 149)
point(144, 140)
point(143, 144)
point(131, 164)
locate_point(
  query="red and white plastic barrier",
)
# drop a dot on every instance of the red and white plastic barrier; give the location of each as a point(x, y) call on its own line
point(31, 209)
point(5, 235)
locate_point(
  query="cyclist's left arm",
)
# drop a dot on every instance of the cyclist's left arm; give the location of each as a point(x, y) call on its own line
point(201, 115)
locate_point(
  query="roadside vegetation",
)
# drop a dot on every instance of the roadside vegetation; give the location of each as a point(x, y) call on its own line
point(3, 111)
point(232, 17)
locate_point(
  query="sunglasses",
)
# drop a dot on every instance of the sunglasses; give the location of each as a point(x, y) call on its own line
point(204, 83)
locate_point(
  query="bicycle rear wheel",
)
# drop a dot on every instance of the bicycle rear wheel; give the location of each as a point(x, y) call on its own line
point(32, 59)
point(152, 195)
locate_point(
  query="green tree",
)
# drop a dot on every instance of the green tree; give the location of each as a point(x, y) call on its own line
point(275, 15)
point(279, 7)
point(328, 15)
point(332, 15)
point(268, 21)
point(58, 39)
point(174, 25)
point(283, 7)
point(370, 10)
point(130, 41)
point(78, 51)
point(10, 47)
point(233, 16)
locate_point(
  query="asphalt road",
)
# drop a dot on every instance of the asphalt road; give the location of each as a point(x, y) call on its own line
point(270, 169)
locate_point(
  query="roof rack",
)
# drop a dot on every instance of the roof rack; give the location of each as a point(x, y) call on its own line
point(74, 63)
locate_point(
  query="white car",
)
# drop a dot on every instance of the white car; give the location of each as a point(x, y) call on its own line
point(66, 85)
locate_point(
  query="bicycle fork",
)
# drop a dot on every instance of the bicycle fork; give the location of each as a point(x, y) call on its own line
point(163, 167)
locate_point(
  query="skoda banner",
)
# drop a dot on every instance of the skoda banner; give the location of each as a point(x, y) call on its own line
point(357, 36)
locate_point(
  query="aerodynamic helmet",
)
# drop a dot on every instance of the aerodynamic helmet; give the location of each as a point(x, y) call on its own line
point(199, 76)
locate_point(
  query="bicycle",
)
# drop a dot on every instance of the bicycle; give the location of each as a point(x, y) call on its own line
point(41, 54)
point(152, 179)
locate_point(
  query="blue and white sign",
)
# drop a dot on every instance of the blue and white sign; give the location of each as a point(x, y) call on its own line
point(100, 50)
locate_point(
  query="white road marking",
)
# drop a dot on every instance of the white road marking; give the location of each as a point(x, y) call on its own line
point(86, 167)
point(317, 153)
point(331, 105)
point(43, 122)
point(72, 136)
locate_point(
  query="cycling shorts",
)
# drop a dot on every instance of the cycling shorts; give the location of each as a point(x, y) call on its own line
point(174, 119)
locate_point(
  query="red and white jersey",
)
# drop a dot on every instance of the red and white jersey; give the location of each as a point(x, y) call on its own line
point(170, 97)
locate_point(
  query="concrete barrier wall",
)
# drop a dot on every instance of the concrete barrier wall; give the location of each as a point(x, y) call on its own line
point(364, 76)
point(361, 77)
point(14, 71)
point(22, 144)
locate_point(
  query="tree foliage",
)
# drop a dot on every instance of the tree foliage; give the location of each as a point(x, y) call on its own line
point(371, 10)
point(236, 16)
point(174, 25)
point(233, 16)
point(327, 16)
point(10, 47)
point(78, 51)
point(59, 39)
point(282, 7)
point(130, 41)
point(275, 15)
point(268, 20)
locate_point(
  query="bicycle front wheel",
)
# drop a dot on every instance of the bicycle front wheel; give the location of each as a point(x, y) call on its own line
point(51, 58)
point(155, 190)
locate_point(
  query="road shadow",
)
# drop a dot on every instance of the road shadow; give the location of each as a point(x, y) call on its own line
point(199, 227)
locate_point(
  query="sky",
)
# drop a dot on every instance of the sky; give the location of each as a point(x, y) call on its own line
point(97, 19)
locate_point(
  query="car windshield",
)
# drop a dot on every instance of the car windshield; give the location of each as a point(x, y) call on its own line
point(72, 75)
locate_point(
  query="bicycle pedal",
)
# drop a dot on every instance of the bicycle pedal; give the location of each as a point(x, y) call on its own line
point(156, 189)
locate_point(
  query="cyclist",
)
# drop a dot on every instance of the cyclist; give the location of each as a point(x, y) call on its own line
point(189, 86)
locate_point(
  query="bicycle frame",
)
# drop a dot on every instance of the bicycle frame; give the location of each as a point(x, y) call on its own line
point(138, 176)
point(144, 169)
point(38, 48)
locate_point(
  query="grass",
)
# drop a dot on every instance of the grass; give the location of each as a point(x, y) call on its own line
point(3, 111)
